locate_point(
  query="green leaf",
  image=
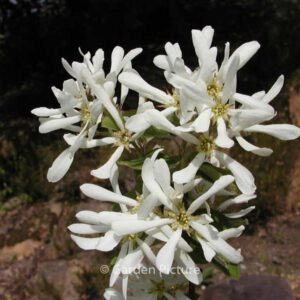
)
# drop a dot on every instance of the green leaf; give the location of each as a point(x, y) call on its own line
point(152, 132)
point(109, 123)
point(137, 164)
point(213, 173)
point(229, 269)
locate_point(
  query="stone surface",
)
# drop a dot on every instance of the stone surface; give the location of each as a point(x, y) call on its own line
point(254, 287)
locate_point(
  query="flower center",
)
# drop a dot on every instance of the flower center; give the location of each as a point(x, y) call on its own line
point(206, 145)
point(214, 89)
point(182, 220)
point(220, 110)
point(123, 138)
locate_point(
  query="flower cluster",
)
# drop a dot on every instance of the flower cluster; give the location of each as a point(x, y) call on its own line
point(185, 207)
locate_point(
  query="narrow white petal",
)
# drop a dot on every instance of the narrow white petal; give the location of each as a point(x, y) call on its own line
point(231, 232)
point(109, 241)
point(237, 200)
point(135, 226)
point(222, 139)
point(46, 112)
point(190, 270)
point(208, 252)
point(162, 174)
point(116, 58)
point(274, 90)
point(135, 82)
point(147, 250)
point(60, 166)
point(132, 261)
point(218, 185)
point(108, 217)
point(165, 256)
point(243, 177)
point(79, 228)
point(87, 216)
point(102, 194)
point(151, 183)
point(202, 122)
point(229, 85)
point(245, 52)
point(162, 62)
point(252, 148)
point(187, 174)
point(85, 243)
point(117, 267)
point(283, 132)
point(52, 124)
point(104, 171)
point(128, 58)
point(241, 213)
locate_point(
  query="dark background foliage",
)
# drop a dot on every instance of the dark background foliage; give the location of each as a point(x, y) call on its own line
point(35, 34)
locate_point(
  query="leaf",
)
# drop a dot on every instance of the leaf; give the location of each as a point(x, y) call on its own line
point(109, 123)
point(137, 164)
point(152, 132)
point(229, 269)
point(212, 173)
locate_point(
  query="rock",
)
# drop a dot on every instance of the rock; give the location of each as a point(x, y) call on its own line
point(20, 250)
point(252, 287)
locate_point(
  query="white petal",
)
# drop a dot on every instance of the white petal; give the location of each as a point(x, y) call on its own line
point(283, 132)
point(147, 250)
point(79, 228)
point(117, 267)
point(128, 58)
point(131, 261)
point(229, 85)
point(240, 214)
point(274, 90)
point(147, 206)
point(112, 294)
point(60, 166)
point(245, 52)
point(216, 243)
point(162, 174)
point(208, 252)
point(135, 226)
point(85, 243)
point(116, 58)
point(135, 82)
point(237, 200)
point(202, 122)
point(102, 194)
point(165, 256)
point(151, 183)
point(252, 148)
point(46, 112)
point(109, 241)
point(251, 102)
point(87, 216)
point(137, 123)
point(108, 217)
point(187, 174)
point(54, 124)
point(222, 139)
point(104, 171)
point(231, 232)
point(218, 185)
point(162, 62)
point(190, 270)
point(243, 177)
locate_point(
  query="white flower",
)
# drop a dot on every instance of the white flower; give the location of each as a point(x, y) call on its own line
point(157, 179)
point(81, 109)
point(152, 287)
